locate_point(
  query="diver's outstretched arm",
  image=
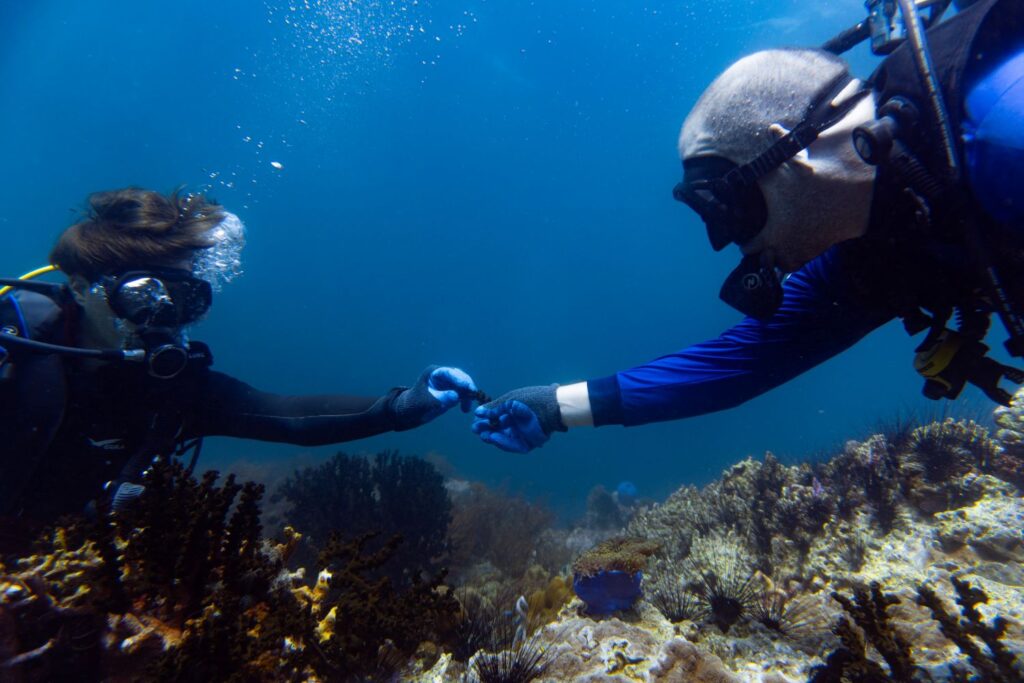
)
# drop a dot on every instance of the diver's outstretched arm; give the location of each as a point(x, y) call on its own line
point(818, 319)
point(233, 408)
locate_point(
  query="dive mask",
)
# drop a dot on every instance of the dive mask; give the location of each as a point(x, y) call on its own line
point(158, 297)
point(727, 197)
point(732, 210)
point(729, 200)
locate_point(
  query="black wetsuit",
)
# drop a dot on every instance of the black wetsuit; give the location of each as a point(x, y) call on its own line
point(67, 428)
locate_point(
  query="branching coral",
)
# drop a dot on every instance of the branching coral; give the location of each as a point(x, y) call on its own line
point(187, 588)
point(870, 612)
point(388, 493)
point(999, 665)
point(202, 597)
point(849, 662)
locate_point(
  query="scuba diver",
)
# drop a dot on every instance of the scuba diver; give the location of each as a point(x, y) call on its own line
point(853, 203)
point(98, 376)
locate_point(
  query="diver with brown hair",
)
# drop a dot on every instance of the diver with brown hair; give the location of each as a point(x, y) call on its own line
point(99, 376)
point(853, 203)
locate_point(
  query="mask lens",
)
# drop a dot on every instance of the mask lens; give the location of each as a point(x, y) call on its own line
point(730, 213)
point(143, 301)
point(192, 298)
point(159, 300)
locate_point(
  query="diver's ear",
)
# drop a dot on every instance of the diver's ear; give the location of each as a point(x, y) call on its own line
point(801, 160)
point(79, 287)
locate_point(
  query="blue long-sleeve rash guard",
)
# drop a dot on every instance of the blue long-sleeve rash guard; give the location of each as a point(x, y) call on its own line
point(817, 320)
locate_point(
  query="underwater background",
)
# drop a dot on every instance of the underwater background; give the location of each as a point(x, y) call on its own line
point(476, 183)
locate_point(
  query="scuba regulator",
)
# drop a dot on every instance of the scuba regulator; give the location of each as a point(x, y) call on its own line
point(158, 302)
point(948, 359)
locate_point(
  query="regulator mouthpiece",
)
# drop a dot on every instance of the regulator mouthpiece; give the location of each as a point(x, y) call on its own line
point(752, 289)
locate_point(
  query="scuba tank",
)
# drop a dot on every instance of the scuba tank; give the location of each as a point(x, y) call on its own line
point(933, 179)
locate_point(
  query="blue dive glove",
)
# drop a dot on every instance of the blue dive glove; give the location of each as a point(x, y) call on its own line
point(437, 390)
point(521, 420)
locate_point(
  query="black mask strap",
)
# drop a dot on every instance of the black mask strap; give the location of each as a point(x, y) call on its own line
point(820, 116)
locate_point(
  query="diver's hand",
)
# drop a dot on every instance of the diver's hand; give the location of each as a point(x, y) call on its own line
point(437, 390)
point(521, 420)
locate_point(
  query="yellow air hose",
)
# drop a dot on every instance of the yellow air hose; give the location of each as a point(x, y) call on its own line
point(29, 275)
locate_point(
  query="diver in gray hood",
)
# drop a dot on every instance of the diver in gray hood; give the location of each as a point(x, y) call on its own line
point(853, 202)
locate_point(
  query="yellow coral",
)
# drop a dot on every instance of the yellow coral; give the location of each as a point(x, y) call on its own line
point(325, 627)
point(545, 604)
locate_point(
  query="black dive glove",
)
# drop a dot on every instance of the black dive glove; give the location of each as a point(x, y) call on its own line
point(437, 390)
point(520, 420)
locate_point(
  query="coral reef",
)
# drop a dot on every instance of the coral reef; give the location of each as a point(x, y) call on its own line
point(182, 587)
point(387, 494)
point(503, 530)
point(999, 664)
point(513, 655)
point(841, 570)
point(749, 563)
point(623, 554)
point(719, 572)
point(869, 612)
point(545, 603)
point(358, 616)
point(608, 576)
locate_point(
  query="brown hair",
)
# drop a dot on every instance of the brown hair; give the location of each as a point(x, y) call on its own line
point(132, 228)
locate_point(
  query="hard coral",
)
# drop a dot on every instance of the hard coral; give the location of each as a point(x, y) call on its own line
point(774, 510)
point(869, 611)
point(387, 494)
point(185, 588)
point(866, 476)
point(204, 598)
point(999, 665)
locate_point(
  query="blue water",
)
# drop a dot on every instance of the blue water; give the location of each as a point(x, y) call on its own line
point(477, 183)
